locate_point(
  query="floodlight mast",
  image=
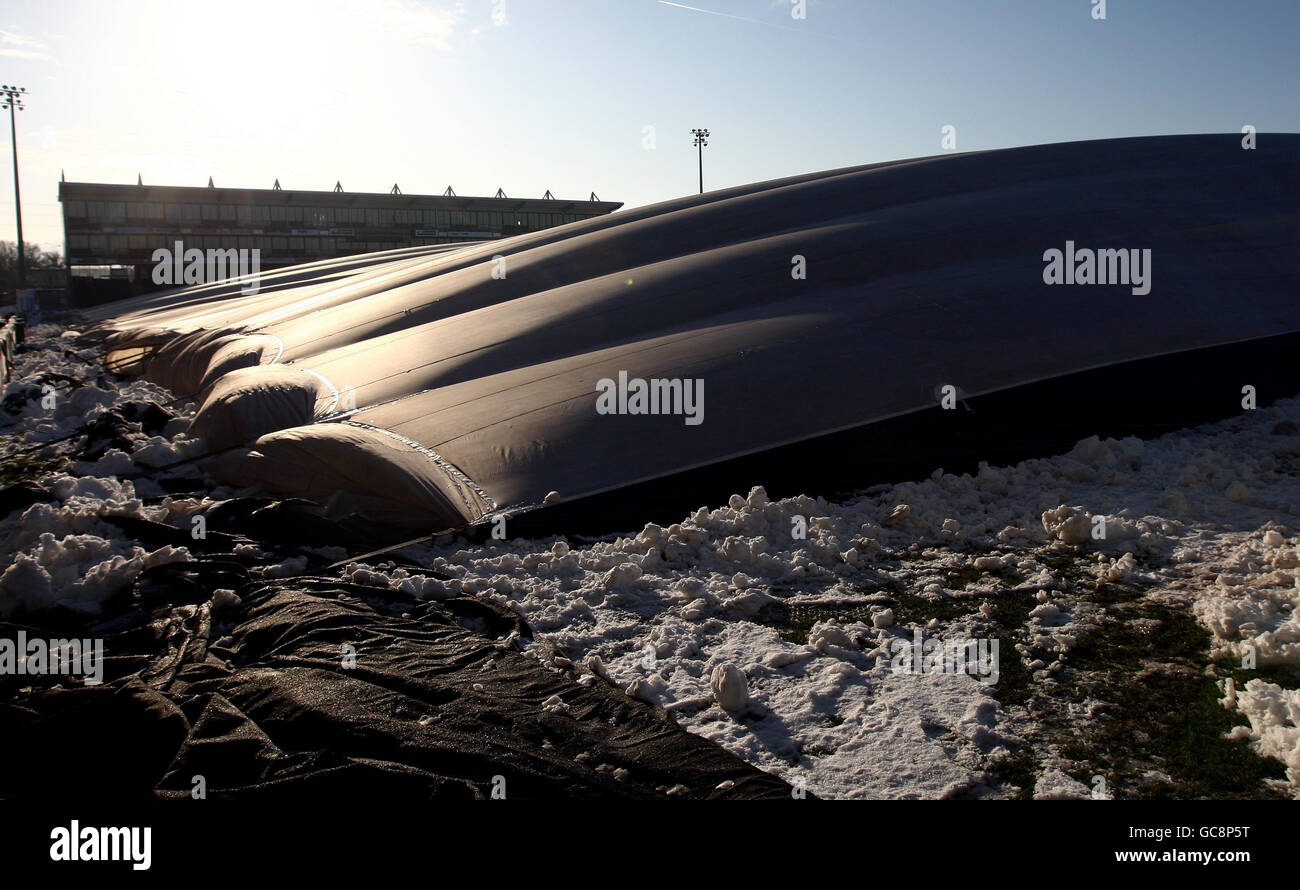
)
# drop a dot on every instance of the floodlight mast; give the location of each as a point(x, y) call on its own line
point(701, 140)
point(11, 98)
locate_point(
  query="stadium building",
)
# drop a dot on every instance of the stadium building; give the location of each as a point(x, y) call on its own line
point(111, 231)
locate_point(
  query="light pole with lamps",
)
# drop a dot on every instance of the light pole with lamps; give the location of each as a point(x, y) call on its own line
point(11, 97)
point(701, 140)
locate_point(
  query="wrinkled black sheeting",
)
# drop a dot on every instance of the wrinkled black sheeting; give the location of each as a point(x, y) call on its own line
point(437, 704)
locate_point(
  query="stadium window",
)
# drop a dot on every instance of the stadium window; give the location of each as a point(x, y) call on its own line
point(75, 209)
point(227, 213)
point(99, 242)
point(95, 209)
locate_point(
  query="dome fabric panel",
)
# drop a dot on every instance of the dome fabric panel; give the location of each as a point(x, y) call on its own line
point(800, 307)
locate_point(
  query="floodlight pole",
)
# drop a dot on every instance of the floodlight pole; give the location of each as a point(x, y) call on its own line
point(701, 140)
point(12, 99)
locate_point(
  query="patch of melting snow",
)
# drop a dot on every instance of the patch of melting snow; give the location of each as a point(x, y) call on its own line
point(62, 552)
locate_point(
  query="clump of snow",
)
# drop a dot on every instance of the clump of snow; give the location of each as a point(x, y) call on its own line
point(65, 554)
point(1053, 784)
point(1071, 525)
point(224, 600)
point(294, 565)
point(419, 586)
point(729, 688)
point(1274, 715)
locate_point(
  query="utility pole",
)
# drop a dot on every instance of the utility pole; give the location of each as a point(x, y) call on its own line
point(701, 140)
point(11, 97)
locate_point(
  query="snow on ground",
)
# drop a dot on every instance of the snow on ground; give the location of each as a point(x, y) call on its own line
point(62, 552)
point(772, 627)
point(660, 611)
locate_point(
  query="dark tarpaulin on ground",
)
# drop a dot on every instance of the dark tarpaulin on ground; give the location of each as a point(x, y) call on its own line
point(439, 702)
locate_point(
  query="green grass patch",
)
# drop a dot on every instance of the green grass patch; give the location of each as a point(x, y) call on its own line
point(1146, 664)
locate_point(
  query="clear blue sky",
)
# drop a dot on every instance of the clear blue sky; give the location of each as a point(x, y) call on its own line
point(556, 93)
